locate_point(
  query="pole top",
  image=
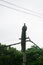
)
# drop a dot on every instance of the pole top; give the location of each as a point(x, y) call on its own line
point(24, 27)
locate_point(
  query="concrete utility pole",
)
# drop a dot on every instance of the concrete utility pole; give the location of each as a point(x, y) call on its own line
point(23, 43)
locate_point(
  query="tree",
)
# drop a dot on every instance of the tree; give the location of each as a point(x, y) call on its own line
point(11, 56)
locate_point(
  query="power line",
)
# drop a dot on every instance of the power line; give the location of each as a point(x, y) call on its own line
point(20, 10)
point(21, 7)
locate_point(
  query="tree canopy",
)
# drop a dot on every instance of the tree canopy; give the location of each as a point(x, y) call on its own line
point(11, 56)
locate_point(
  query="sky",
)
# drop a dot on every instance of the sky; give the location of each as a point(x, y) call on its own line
point(12, 18)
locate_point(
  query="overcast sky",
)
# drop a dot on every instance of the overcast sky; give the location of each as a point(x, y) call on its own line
point(12, 19)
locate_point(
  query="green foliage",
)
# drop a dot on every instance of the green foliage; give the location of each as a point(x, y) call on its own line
point(33, 55)
point(11, 56)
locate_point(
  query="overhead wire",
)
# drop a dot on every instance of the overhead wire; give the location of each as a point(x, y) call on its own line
point(21, 7)
point(20, 10)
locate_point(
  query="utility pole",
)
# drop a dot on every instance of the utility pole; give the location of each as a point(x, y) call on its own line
point(23, 43)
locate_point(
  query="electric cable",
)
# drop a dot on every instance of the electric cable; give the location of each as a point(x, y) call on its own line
point(20, 10)
point(21, 7)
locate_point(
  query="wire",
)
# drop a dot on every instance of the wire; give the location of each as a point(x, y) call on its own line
point(20, 10)
point(21, 7)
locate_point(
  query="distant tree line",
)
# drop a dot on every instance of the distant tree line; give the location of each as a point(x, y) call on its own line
point(11, 56)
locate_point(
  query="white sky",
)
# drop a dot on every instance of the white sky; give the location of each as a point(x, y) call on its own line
point(11, 22)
